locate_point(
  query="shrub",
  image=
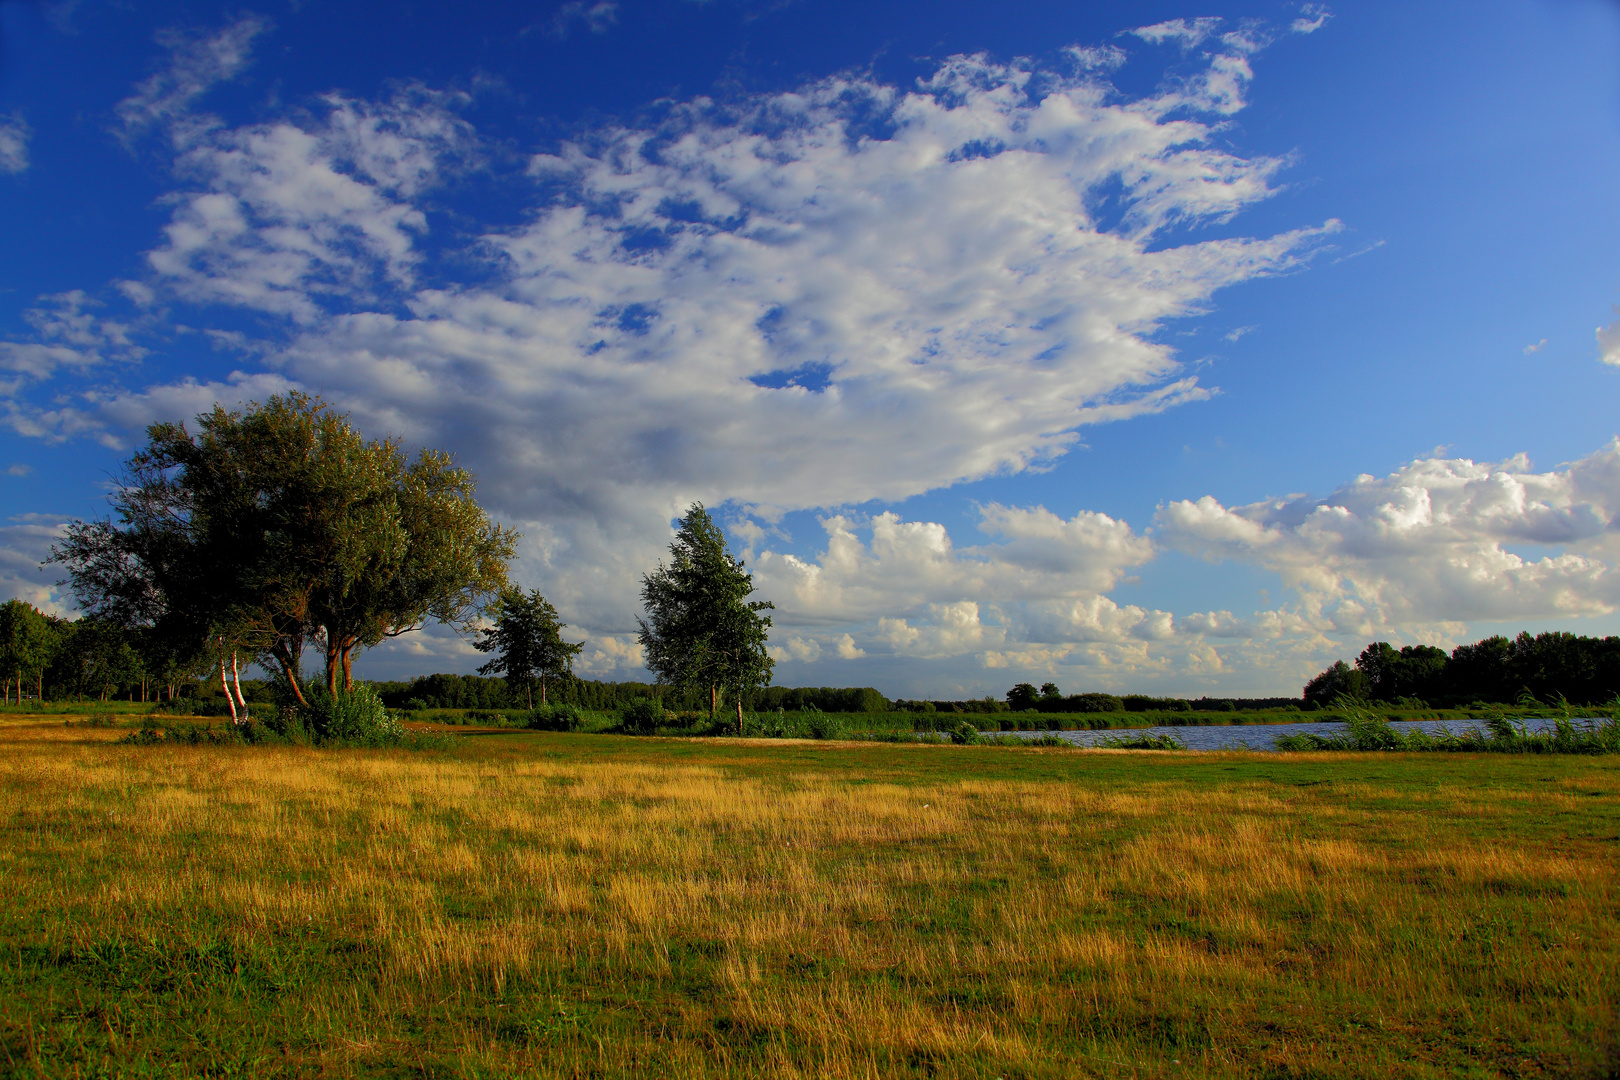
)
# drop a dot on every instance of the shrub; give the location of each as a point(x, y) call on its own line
point(554, 718)
point(966, 734)
point(355, 717)
point(641, 717)
point(820, 725)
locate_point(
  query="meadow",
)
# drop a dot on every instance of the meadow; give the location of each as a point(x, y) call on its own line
point(550, 904)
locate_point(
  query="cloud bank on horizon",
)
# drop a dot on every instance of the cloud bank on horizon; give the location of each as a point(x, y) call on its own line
point(842, 295)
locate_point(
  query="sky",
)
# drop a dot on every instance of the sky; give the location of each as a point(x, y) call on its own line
point(1138, 347)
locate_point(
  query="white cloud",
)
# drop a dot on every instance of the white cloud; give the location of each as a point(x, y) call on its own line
point(1430, 544)
point(798, 647)
point(844, 293)
point(196, 64)
point(66, 335)
point(1608, 340)
point(1312, 17)
point(1537, 347)
point(1187, 33)
point(598, 17)
point(24, 545)
point(287, 218)
point(14, 135)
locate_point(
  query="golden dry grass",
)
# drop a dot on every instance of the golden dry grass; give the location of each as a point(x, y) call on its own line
point(577, 905)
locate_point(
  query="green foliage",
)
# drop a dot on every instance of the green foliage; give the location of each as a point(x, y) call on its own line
point(808, 723)
point(1526, 670)
point(352, 717)
point(279, 525)
point(700, 628)
point(527, 642)
point(1369, 731)
point(1140, 742)
point(27, 643)
point(642, 716)
point(555, 718)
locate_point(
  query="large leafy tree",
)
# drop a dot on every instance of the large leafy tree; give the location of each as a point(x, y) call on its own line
point(527, 642)
point(700, 629)
point(280, 525)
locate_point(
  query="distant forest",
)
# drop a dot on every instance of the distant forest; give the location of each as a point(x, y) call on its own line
point(52, 659)
point(1545, 667)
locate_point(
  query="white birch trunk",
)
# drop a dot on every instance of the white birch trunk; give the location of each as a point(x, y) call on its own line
point(240, 700)
point(225, 686)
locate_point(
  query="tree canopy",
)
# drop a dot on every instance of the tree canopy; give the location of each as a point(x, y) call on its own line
point(700, 628)
point(282, 524)
point(527, 642)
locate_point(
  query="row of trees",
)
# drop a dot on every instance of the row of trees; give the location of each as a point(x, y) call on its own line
point(281, 526)
point(44, 656)
point(1546, 667)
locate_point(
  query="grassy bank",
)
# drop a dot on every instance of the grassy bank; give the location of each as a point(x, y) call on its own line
point(567, 905)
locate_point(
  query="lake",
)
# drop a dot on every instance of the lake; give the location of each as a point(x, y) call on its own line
point(1263, 736)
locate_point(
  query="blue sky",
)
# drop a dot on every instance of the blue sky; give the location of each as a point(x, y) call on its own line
point(1135, 347)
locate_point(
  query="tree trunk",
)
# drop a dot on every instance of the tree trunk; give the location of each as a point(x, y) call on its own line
point(225, 686)
point(542, 690)
point(237, 676)
point(714, 701)
point(739, 714)
point(348, 668)
point(290, 661)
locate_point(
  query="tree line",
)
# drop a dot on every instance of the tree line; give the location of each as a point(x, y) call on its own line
point(1542, 668)
point(281, 527)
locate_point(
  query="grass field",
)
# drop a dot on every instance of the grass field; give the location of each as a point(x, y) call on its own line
point(591, 905)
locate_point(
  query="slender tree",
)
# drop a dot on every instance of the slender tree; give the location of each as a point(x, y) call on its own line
point(700, 629)
point(527, 642)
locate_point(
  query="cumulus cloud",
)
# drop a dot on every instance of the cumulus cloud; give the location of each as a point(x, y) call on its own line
point(196, 63)
point(288, 219)
point(14, 135)
point(1035, 587)
point(1431, 544)
point(1608, 340)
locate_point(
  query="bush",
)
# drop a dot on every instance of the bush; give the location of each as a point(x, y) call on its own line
point(554, 718)
point(355, 717)
point(966, 734)
point(641, 717)
point(1088, 703)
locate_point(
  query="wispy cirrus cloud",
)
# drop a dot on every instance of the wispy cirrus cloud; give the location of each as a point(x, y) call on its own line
point(196, 63)
point(14, 136)
point(1608, 342)
point(597, 17)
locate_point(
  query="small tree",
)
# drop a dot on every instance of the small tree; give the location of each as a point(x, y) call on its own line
point(701, 630)
point(1021, 697)
point(527, 642)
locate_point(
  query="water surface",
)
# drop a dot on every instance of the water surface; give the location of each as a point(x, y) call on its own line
point(1265, 736)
